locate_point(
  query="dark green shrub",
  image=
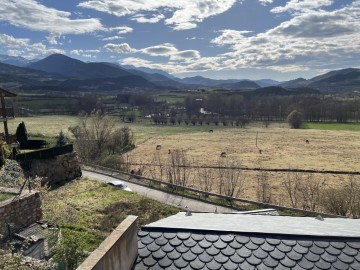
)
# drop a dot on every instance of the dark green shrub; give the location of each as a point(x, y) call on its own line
point(21, 134)
point(295, 119)
point(61, 139)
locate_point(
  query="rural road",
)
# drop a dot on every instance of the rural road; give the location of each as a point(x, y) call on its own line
point(164, 197)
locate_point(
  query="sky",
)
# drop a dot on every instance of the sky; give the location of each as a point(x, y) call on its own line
point(220, 39)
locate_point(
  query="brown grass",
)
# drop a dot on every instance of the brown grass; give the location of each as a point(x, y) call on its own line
point(281, 148)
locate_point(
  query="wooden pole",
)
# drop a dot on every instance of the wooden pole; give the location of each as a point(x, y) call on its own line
point(3, 109)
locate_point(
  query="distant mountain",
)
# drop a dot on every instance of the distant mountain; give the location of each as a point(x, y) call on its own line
point(158, 79)
point(199, 80)
point(299, 82)
point(333, 81)
point(150, 71)
point(15, 60)
point(241, 85)
point(267, 82)
point(64, 65)
point(281, 91)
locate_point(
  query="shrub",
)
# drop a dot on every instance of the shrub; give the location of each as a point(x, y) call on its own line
point(61, 140)
point(295, 119)
point(21, 134)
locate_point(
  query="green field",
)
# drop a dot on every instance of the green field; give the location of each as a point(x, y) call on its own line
point(333, 126)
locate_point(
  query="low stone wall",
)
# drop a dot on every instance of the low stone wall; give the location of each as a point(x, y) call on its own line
point(118, 251)
point(20, 211)
point(59, 169)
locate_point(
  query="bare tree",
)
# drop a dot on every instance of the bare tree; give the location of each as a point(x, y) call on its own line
point(231, 179)
point(177, 169)
point(263, 191)
point(92, 133)
point(206, 178)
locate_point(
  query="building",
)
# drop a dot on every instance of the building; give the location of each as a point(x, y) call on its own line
point(242, 241)
point(6, 114)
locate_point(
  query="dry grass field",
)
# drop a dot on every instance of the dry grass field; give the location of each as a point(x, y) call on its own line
point(282, 148)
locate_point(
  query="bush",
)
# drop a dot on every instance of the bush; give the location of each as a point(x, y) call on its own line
point(46, 153)
point(21, 134)
point(295, 119)
point(61, 140)
point(34, 144)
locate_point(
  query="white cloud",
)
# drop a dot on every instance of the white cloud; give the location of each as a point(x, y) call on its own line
point(229, 37)
point(188, 54)
point(52, 38)
point(302, 6)
point(185, 14)
point(266, 2)
point(121, 29)
point(32, 15)
point(141, 18)
point(112, 38)
point(165, 49)
point(119, 48)
point(81, 52)
point(312, 39)
point(27, 49)
point(11, 41)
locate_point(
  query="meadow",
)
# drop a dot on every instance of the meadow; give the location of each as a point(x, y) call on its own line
point(330, 147)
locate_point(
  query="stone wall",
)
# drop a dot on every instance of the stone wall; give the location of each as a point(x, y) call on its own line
point(59, 169)
point(118, 251)
point(20, 211)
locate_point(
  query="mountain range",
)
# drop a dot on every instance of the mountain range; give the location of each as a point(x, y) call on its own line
point(60, 72)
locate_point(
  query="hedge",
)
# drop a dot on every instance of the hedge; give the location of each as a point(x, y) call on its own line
point(34, 144)
point(46, 153)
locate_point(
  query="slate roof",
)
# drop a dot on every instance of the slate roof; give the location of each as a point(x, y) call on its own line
point(198, 248)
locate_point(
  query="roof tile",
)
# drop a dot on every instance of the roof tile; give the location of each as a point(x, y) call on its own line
point(181, 263)
point(284, 248)
point(155, 235)
point(294, 255)
point(197, 237)
point(304, 263)
point(182, 248)
point(189, 256)
point(205, 244)
point(190, 242)
point(345, 258)
point(328, 257)
point(277, 254)
point(197, 249)
point(211, 237)
point(270, 262)
point(273, 241)
point(228, 251)
point(174, 255)
point(259, 253)
point(227, 238)
point(213, 265)
point(321, 264)
point(167, 248)
point(312, 257)
point(165, 262)
point(288, 262)
point(212, 251)
point(253, 260)
point(197, 264)
point(242, 239)
point(350, 251)
point(183, 236)
point(229, 265)
point(204, 257)
point(237, 259)
point(244, 252)
point(220, 244)
point(161, 241)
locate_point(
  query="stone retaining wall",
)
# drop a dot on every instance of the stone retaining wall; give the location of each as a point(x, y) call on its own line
point(20, 211)
point(59, 169)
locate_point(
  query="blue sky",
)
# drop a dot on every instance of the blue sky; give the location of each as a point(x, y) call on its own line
point(239, 39)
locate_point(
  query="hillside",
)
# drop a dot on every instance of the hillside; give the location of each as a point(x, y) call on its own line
point(64, 65)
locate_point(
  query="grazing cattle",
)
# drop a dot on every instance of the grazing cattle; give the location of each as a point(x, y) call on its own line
point(307, 141)
point(211, 131)
point(158, 147)
point(260, 151)
point(169, 152)
point(223, 154)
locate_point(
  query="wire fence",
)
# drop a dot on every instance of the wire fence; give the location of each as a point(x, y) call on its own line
point(177, 188)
